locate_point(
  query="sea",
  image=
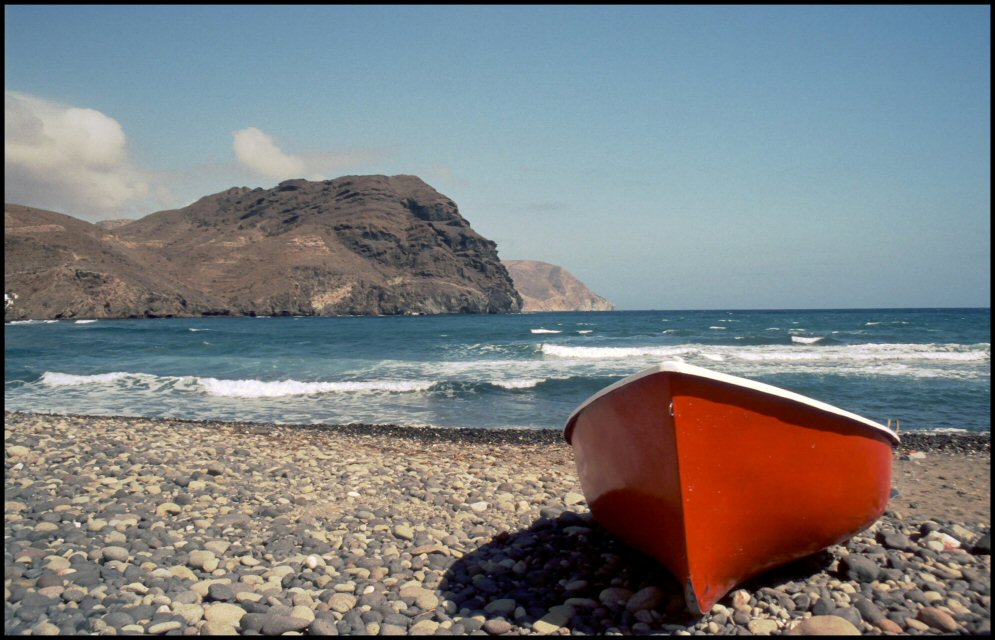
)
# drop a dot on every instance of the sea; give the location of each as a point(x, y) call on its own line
point(930, 369)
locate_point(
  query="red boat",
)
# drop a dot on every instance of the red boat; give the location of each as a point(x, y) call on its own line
point(720, 478)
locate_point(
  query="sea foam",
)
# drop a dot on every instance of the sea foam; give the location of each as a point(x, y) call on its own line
point(602, 353)
point(521, 383)
point(280, 388)
point(56, 379)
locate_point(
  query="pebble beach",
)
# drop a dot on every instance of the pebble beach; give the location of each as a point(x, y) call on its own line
point(169, 527)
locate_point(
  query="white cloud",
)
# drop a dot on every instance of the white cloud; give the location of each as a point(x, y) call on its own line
point(256, 150)
point(69, 159)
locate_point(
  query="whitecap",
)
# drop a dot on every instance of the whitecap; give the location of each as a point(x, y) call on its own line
point(281, 388)
point(85, 321)
point(520, 383)
point(56, 379)
point(603, 353)
point(806, 339)
point(545, 331)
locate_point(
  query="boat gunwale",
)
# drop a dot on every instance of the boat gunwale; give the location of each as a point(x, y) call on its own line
point(679, 367)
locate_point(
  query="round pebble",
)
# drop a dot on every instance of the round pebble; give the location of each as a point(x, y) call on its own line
point(217, 529)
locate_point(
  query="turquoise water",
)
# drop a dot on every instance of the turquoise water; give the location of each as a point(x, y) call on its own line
point(930, 368)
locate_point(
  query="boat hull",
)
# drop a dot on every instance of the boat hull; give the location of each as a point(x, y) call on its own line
point(721, 481)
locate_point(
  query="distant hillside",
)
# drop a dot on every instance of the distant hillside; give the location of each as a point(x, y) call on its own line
point(547, 287)
point(107, 225)
point(357, 245)
point(62, 267)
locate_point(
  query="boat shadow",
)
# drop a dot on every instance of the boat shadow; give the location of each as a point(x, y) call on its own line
point(570, 559)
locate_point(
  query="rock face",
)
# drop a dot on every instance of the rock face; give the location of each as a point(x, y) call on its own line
point(547, 287)
point(56, 266)
point(357, 245)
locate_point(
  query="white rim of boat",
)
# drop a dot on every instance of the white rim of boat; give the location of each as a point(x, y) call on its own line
point(692, 370)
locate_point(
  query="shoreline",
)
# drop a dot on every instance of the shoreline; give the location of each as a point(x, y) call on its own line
point(912, 440)
point(135, 525)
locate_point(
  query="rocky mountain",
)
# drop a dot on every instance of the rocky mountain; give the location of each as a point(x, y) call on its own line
point(547, 287)
point(56, 266)
point(357, 245)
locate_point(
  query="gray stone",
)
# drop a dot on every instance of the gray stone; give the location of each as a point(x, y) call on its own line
point(322, 627)
point(868, 610)
point(220, 592)
point(276, 624)
point(823, 607)
point(501, 607)
point(895, 540)
point(497, 626)
point(614, 597)
point(858, 568)
point(646, 598)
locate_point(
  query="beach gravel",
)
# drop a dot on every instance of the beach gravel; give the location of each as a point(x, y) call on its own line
point(169, 527)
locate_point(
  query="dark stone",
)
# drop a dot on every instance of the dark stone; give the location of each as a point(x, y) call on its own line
point(143, 612)
point(497, 626)
point(849, 614)
point(30, 614)
point(802, 602)
point(49, 580)
point(118, 619)
point(823, 607)
point(374, 599)
point(252, 621)
point(373, 615)
point(397, 619)
point(471, 625)
point(17, 592)
point(984, 545)
point(275, 625)
point(36, 600)
point(858, 568)
point(895, 540)
point(868, 610)
point(322, 627)
point(73, 595)
point(220, 592)
point(354, 619)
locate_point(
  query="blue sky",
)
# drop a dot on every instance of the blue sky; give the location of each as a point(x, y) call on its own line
point(670, 157)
